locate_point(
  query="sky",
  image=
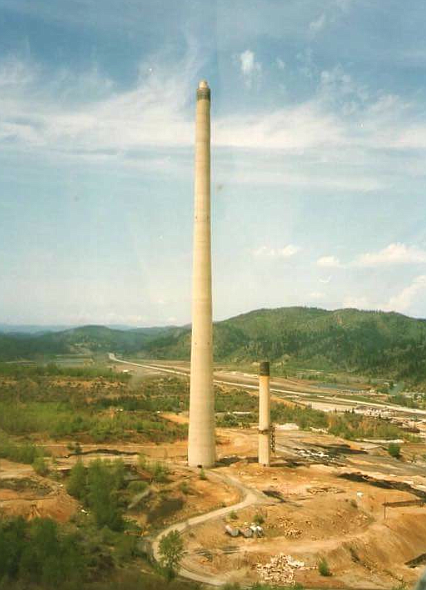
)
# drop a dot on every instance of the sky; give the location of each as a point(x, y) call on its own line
point(318, 156)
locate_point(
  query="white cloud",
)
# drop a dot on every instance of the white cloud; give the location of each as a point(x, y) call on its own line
point(15, 74)
point(280, 64)
point(405, 300)
point(286, 252)
point(357, 302)
point(84, 115)
point(329, 262)
point(65, 114)
point(396, 253)
point(298, 127)
point(249, 66)
point(318, 24)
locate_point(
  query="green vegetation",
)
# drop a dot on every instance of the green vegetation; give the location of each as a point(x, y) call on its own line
point(408, 402)
point(305, 417)
point(366, 342)
point(93, 338)
point(40, 466)
point(394, 450)
point(37, 552)
point(372, 343)
point(171, 553)
point(42, 554)
point(62, 406)
point(104, 479)
point(184, 487)
point(355, 426)
point(137, 487)
point(20, 452)
point(97, 487)
point(21, 371)
point(77, 481)
point(258, 518)
point(323, 568)
point(159, 471)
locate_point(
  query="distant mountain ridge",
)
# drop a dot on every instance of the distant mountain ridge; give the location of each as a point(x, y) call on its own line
point(31, 328)
point(43, 329)
point(369, 342)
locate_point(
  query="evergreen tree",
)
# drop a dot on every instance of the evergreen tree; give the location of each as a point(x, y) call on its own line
point(76, 485)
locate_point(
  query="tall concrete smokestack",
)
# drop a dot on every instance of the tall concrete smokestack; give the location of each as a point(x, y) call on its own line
point(201, 438)
point(264, 415)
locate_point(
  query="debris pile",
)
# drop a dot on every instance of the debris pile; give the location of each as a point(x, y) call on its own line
point(288, 527)
point(280, 569)
point(315, 490)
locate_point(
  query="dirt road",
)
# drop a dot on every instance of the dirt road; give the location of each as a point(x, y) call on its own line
point(250, 498)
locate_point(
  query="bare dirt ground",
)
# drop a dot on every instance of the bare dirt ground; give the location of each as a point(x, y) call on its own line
point(183, 496)
point(24, 493)
point(323, 498)
point(322, 513)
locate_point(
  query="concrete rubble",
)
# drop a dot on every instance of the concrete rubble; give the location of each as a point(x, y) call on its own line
point(287, 527)
point(279, 570)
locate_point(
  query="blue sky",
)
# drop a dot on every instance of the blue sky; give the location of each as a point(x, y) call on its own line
point(318, 156)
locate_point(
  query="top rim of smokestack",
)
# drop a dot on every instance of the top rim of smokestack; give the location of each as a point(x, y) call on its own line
point(203, 90)
point(264, 369)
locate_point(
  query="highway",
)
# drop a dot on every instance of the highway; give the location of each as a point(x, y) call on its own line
point(245, 381)
point(181, 372)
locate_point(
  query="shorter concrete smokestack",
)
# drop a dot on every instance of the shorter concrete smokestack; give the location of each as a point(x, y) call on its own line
point(264, 415)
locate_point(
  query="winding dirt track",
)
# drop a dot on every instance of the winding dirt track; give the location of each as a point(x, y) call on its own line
point(250, 498)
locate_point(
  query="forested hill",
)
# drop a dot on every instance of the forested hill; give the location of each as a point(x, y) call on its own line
point(370, 342)
point(84, 340)
point(375, 343)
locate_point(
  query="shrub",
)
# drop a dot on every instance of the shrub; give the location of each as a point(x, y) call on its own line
point(160, 472)
point(125, 547)
point(394, 450)
point(137, 487)
point(39, 552)
point(258, 518)
point(142, 462)
point(233, 515)
point(102, 495)
point(40, 466)
point(171, 552)
point(21, 453)
point(76, 485)
point(323, 568)
point(184, 487)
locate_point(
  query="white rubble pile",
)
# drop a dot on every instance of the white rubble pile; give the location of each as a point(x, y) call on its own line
point(280, 569)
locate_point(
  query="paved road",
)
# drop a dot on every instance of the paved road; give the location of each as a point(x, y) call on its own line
point(278, 390)
point(250, 381)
